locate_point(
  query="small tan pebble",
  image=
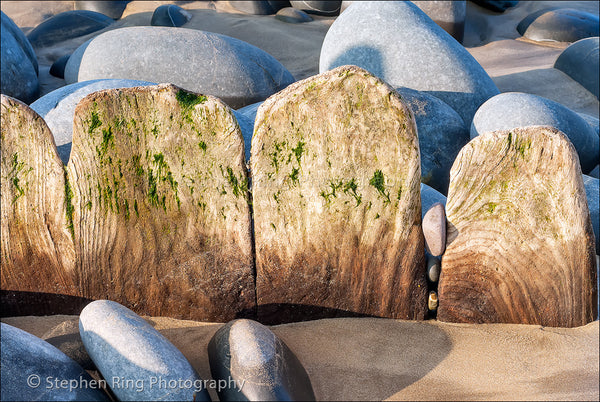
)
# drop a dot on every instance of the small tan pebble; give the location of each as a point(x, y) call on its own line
point(433, 301)
point(434, 229)
point(433, 269)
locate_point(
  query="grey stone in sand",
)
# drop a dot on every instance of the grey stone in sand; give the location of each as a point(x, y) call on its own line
point(170, 15)
point(430, 196)
point(259, 7)
point(292, 15)
point(525, 22)
point(580, 61)
point(58, 108)
point(58, 67)
point(67, 25)
point(203, 62)
point(592, 121)
point(563, 25)
point(113, 8)
point(27, 364)
point(442, 134)
point(65, 337)
point(515, 109)
point(21, 39)
point(327, 8)
point(450, 15)
point(499, 6)
point(395, 41)
point(433, 268)
point(18, 75)
point(434, 229)
point(261, 364)
point(247, 126)
point(123, 345)
point(592, 193)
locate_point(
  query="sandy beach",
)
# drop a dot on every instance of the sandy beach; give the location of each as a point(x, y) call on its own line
point(371, 358)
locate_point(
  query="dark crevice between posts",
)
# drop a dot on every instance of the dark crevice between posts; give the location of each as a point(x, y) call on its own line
point(69, 208)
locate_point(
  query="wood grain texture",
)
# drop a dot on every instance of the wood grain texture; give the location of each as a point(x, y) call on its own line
point(162, 216)
point(337, 212)
point(37, 247)
point(520, 246)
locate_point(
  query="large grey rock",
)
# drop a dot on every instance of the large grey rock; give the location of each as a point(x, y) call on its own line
point(246, 117)
point(31, 366)
point(170, 15)
point(319, 7)
point(204, 62)
point(113, 8)
point(525, 22)
point(123, 345)
point(580, 62)
point(21, 39)
point(450, 15)
point(67, 25)
point(18, 74)
point(563, 25)
point(430, 196)
point(292, 15)
point(442, 134)
point(57, 69)
point(592, 193)
point(261, 364)
point(259, 7)
point(515, 109)
point(498, 6)
point(592, 121)
point(395, 41)
point(58, 108)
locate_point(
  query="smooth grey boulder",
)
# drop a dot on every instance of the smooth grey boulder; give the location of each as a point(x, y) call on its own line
point(430, 196)
point(58, 67)
point(326, 7)
point(18, 75)
point(259, 7)
point(292, 15)
point(28, 363)
point(112, 8)
point(450, 15)
point(247, 126)
point(525, 22)
point(123, 345)
point(580, 61)
point(394, 40)
point(261, 364)
point(57, 108)
point(563, 25)
point(198, 61)
point(498, 6)
point(515, 109)
point(67, 25)
point(442, 134)
point(592, 121)
point(592, 192)
point(21, 39)
point(170, 15)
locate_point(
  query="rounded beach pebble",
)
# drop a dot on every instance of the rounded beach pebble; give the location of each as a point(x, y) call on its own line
point(514, 109)
point(112, 8)
point(580, 61)
point(28, 363)
point(170, 15)
point(292, 15)
point(395, 41)
point(67, 25)
point(563, 25)
point(204, 62)
point(124, 346)
point(261, 364)
point(434, 229)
